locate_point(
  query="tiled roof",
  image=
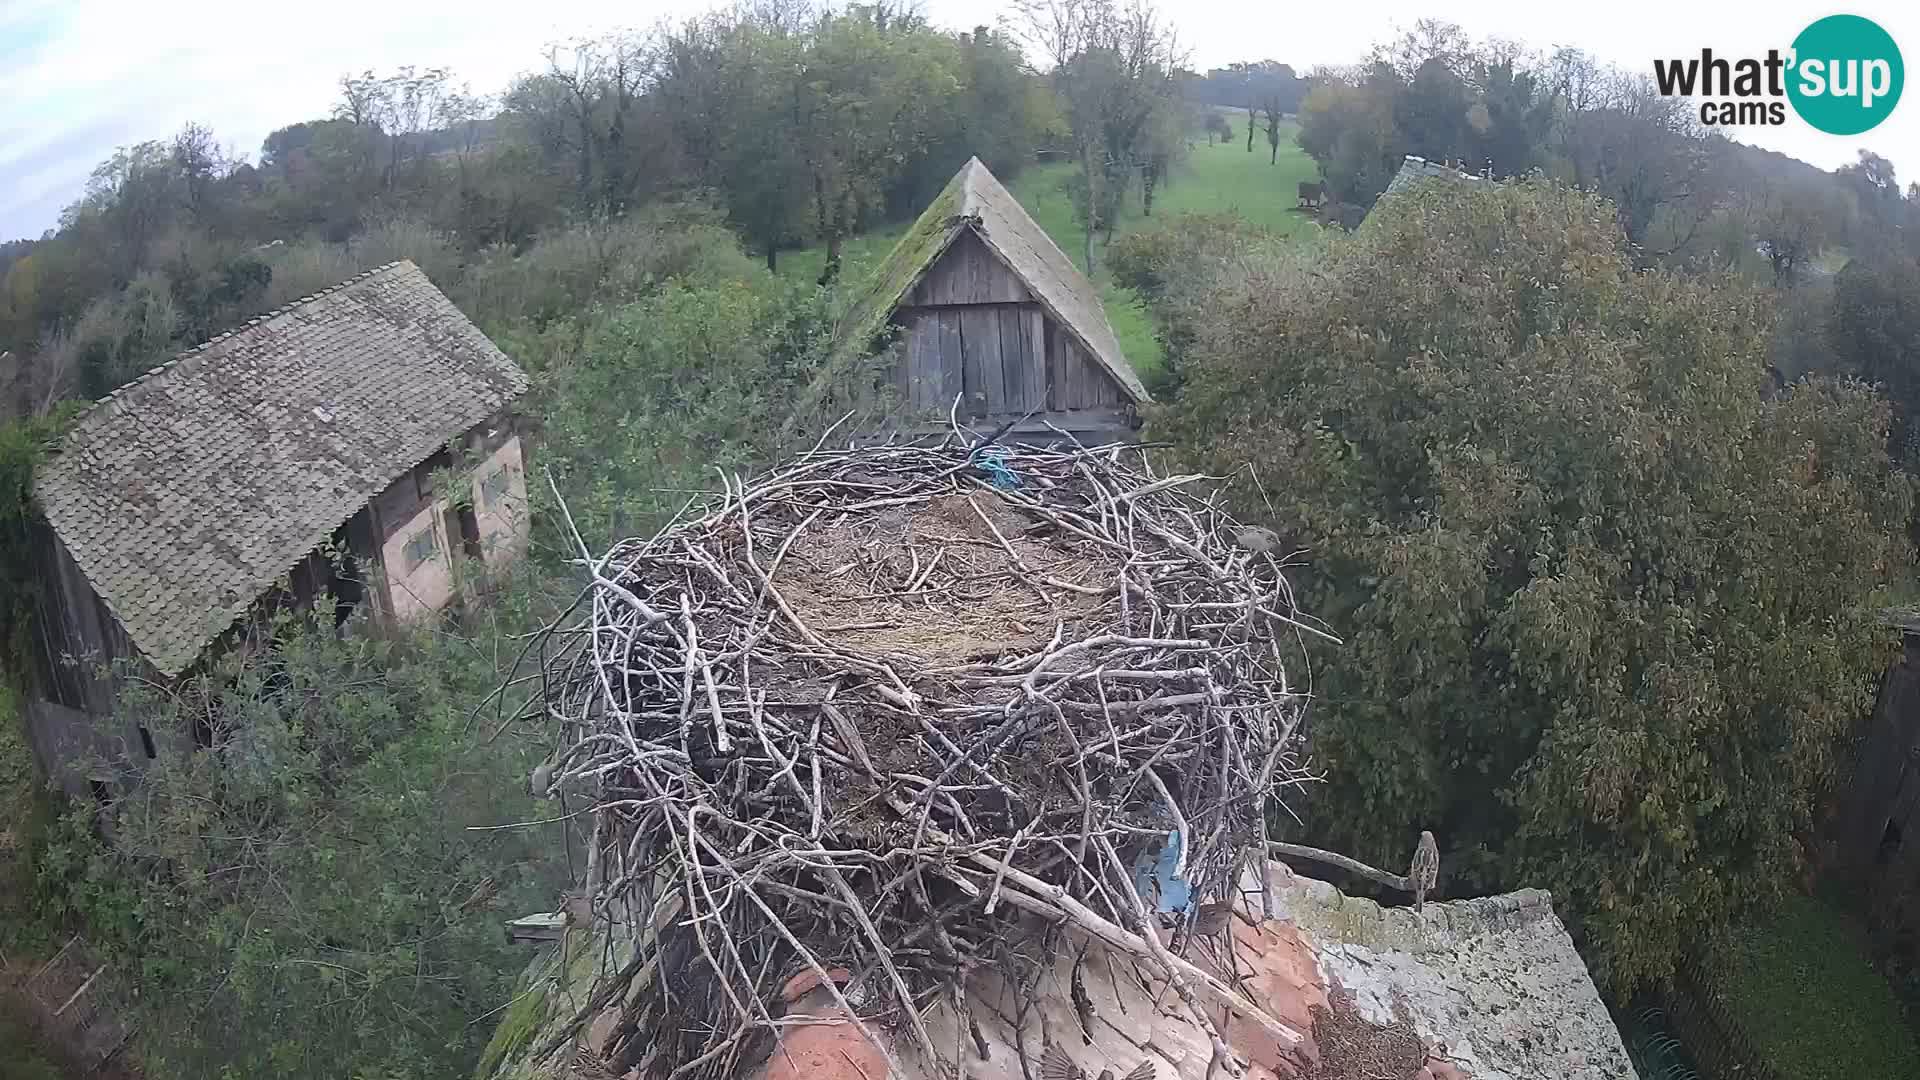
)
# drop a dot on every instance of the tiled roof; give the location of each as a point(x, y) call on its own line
point(975, 200)
point(1415, 169)
point(189, 492)
point(1483, 989)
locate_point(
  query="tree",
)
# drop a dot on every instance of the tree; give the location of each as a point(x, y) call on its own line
point(198, 159)
point(1609, 607)
point(1874, 329)
point(1790, 221)
point(1219, 129)
point(729, 89)
point(1347, 125)
point(1272, 106)
point(1644, 152)
point(868, 85)
point(1431, 112)
point(1872, 178)
point(1512, 121)
point(1114, 71)
point(133, 195)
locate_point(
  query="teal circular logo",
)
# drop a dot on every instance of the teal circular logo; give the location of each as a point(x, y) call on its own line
point(1846, 74)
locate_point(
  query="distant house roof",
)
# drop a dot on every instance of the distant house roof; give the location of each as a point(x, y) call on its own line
point(1415, 169)
point(186, 494)
point(975, 200)
point(1486, 989)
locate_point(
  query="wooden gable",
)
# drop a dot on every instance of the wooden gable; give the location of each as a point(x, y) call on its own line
point(973, 329)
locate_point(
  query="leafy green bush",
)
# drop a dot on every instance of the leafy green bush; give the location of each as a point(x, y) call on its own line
point(661, 394)
point(311, 898)
point(569, 271)
point(1800, 985)
point(1608, 606)
point(1180, 264)
point(306, 267)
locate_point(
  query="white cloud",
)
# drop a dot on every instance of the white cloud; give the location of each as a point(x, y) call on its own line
point(79, 77)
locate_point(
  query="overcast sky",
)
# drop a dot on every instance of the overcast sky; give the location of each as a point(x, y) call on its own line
point(81, 77)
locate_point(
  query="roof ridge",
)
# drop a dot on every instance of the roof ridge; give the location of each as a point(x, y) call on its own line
point(192, 350)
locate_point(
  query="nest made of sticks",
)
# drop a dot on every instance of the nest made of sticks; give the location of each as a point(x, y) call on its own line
point(879, 708)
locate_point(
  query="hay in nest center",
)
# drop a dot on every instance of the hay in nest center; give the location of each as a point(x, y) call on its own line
point(899, 711)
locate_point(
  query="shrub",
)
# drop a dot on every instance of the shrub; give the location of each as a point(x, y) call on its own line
point(308, 898)
point(662, 393)
point(568, 271)
point(1182, 265)
point(305, 268)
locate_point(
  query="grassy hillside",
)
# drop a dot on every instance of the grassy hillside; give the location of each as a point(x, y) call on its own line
point(1215, 179)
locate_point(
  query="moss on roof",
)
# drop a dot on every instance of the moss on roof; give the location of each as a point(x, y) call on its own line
point(925, 242)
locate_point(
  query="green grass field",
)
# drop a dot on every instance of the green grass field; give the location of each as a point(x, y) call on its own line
point(1221, 178)
point(1801, 987)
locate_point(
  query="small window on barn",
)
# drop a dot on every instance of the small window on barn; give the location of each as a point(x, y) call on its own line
point(495, 488)
point(420, 548)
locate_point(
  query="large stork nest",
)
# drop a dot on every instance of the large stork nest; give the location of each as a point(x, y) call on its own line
point(864, 718)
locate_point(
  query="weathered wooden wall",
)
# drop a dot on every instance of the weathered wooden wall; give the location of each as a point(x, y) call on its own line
point(78, 639)
point(969, 273)
point(1869, 850)
point(972, 329)
point(1874, 827)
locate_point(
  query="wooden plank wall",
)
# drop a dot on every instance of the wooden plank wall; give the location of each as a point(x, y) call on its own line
point(968, 274)
point(974, 329)
point(1079, 381)
point(77, 635)
point(1883, 781)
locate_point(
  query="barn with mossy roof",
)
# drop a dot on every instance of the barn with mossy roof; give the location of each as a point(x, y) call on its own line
point(996, 326)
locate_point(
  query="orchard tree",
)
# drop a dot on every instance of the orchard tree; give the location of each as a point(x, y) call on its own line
point(1608, 606)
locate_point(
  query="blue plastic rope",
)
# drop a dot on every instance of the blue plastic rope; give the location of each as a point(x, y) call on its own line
point(993, 461)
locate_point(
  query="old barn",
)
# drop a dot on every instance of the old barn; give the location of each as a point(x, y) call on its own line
point(354, 449)
point(990, 312)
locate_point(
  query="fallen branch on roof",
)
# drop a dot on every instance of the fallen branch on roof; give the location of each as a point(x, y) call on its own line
point(897, 712)
point(1347, 863)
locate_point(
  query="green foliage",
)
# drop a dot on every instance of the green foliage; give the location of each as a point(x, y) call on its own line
point(305, 268)
point(660, 393)
point(1874, 331)
point(310, 897)
point(810, 127)
point(1608, 605)
point(22, 444)
point(1800, 985)
point(19, 1059)
point(23, 814)
point(517, 1027)
point(1173, 266)
point(1349, 129)
point(568, 271)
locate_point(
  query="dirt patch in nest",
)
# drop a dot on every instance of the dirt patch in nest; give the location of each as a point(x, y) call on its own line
point(931, 584)
point(1355, 1048)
